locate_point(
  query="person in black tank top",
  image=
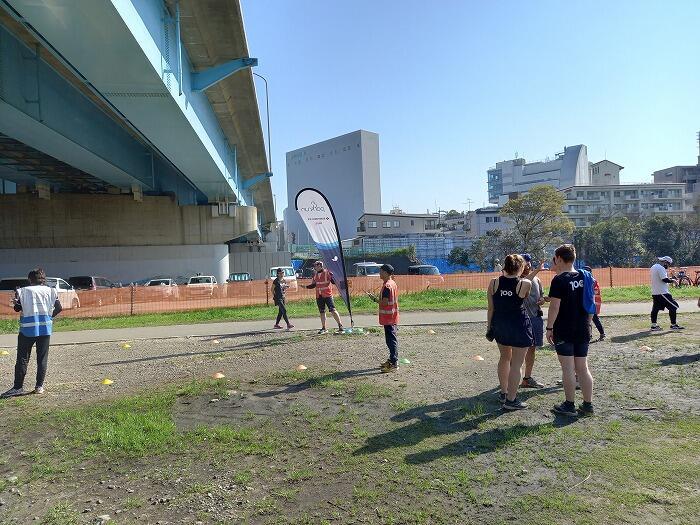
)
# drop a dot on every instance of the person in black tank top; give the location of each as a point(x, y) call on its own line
point(510, 326)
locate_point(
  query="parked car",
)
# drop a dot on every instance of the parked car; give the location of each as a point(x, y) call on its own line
point(202, 286)
point(165, 288)
point(94, 290)
point(365, 269)
point(290, 276)
point(89, 282)
point(429, 274)
point(238, 277)
point(66, 293)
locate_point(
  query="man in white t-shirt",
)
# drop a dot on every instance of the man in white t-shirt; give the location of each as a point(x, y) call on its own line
point(38, 305)
point(662, 298)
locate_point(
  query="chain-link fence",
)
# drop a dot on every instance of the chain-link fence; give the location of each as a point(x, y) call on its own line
point(136, 299)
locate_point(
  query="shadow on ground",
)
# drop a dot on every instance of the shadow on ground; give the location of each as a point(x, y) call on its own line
point(680, 360)
point(221, 350)
point(636, 336)
point(457, 416)
point(317, 380)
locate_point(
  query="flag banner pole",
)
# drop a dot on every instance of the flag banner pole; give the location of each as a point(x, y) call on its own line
point(318, 216)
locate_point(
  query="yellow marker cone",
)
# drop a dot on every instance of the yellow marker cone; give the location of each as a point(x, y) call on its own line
point(106, 381)
point(218, 375)
point(431, 332)
point(301, 368)
point(126, 346)
point(477, 358)
point(4, 352)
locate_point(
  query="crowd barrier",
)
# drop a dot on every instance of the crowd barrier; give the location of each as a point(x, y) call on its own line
point(134, 300)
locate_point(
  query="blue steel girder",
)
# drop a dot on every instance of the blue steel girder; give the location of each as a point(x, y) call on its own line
point(249, 183)
point(202, 80)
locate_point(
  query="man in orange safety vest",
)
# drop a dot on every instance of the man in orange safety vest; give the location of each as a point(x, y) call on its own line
point(389, 316)
point(322, 281)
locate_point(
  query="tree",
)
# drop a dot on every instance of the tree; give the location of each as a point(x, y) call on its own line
point(538, 220)
point(661, 235)
point(493, 246)
point(454, 214)
point(458, 256)
point(614, 242)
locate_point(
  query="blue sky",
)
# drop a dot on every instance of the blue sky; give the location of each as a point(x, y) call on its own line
point(453, 86)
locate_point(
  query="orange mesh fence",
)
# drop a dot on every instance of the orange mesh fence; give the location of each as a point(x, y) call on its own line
point(133, 300)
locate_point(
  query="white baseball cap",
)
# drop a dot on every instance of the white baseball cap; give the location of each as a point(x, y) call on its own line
point(666, 258)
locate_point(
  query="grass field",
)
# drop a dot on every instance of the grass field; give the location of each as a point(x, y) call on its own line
point(429, 300)
point(341, 443)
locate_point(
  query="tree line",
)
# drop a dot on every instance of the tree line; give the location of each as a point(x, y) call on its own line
point(536, 224)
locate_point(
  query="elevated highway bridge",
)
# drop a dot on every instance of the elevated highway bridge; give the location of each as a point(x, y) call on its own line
point(129, 131)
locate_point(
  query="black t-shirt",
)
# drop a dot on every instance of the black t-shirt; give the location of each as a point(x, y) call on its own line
point(571, 324)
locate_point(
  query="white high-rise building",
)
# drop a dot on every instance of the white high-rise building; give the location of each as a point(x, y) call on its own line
point(346, 170)
point(513, 177)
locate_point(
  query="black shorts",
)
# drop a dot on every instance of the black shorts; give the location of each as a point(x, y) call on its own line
point(661, 302)
point(322, 302)
point(571, 349)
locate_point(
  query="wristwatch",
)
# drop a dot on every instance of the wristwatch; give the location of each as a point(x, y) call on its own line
point(548, 329)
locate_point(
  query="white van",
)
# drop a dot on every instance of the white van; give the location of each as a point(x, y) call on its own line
point(365, 269)
point(290, 276)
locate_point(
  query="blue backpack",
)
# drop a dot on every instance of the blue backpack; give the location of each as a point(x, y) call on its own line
point(588, 294)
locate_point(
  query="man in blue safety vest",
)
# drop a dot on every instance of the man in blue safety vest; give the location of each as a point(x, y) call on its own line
point(38, 305)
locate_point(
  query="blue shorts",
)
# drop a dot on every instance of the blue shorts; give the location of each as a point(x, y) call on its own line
point(537, 331)
point(322, 302)
point(571, 349)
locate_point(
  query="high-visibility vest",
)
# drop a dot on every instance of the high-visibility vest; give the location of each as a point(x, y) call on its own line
point(389, 313)
point(596, 297)
point(323, 283)
point(37, 309)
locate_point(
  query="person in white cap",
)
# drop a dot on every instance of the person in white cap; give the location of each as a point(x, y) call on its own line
point(661, 297)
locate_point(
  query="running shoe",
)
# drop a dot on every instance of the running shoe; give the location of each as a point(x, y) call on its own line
point(602, 337)
point(392, 367)
point(385, 364)
point(39, 390)
point(677, 327)
point(585, 409)
point(340, 330)
point(289, 327)
point(277, 327)
point(516, 404)
point(13, 392)
point(530, 382)
point(565, 409)
point(655, 328)
point(502, 397)
point(322, 331)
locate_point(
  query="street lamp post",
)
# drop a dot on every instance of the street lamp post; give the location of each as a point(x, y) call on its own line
point(267, 112)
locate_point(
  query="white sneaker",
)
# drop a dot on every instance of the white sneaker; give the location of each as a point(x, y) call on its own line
point(13, 392)
point(323, 331)
point(655, 328)
point(39, 390)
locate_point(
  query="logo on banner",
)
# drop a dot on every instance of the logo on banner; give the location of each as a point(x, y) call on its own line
point(314, 207)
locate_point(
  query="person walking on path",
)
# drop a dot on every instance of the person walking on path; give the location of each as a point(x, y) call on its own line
point(661, 297)
point(38, 305)
point(509, 325)
point(598, 302)
point(278, 289)
point(533, 303)
point(323, 282)
point(389, 316)
point(569, 330)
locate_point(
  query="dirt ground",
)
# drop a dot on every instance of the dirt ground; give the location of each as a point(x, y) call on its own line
point(428, 444)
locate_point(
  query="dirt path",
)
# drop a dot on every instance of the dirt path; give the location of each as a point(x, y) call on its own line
point(342, 389)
